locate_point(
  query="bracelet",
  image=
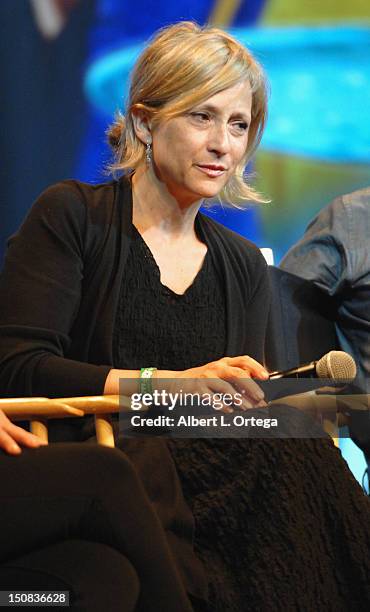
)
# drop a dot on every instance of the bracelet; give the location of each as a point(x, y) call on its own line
point(145, 381)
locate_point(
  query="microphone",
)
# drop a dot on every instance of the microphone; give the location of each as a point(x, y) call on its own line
point(335, 365)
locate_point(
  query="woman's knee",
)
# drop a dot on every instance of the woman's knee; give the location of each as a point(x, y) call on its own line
point(86, 469)
point(97, 462)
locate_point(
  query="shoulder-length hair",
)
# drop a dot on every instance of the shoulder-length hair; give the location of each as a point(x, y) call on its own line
point(183, 65)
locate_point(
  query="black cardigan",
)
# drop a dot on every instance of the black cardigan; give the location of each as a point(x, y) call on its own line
point(60, 287)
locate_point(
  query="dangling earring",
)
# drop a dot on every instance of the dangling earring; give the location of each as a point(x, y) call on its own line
point(148, 153)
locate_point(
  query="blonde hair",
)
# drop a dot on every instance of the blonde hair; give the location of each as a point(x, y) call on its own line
point(184, 65)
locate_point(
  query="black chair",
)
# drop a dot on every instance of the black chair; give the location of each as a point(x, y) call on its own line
point(301, 329)
point(301, 326)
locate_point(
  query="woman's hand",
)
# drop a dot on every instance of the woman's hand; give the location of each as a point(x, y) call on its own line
point(228, 376)
point(11, 436)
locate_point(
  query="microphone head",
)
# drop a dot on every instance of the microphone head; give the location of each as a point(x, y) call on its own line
point(336, 364)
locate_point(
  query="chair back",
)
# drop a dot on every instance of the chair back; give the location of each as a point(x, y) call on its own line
point(301, 325)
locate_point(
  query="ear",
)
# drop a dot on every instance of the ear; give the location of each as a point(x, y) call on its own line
point(142, 125)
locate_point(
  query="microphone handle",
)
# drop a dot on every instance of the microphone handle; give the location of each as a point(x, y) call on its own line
point(305, 371)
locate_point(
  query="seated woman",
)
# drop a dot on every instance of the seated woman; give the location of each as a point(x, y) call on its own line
point(129, 280)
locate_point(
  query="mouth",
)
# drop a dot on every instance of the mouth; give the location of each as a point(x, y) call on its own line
point(212, 170)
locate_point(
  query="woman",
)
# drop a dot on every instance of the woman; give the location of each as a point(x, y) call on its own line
point(128, 280)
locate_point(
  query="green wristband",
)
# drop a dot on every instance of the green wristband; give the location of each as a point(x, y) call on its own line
point(145, 381)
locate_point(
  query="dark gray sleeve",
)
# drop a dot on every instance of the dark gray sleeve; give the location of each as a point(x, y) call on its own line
point(322, 254)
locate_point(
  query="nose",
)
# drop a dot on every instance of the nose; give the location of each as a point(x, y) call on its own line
point(219, 139)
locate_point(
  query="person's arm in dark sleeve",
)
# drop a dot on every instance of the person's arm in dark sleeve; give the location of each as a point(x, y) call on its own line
point(322, 254)
point(40, 292)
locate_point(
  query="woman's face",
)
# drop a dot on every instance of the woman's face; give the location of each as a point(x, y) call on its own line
point(196, 153)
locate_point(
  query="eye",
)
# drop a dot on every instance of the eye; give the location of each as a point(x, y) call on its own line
point(199, 116)
point(240, 126)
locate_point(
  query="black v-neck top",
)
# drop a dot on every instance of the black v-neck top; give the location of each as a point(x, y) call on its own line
point(156, 327)
point(60, 288)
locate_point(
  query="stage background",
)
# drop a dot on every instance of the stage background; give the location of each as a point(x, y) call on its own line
point(63, 69)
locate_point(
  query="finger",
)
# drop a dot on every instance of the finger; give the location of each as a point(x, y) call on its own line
point(8, 444)
point(250, 365)
point(23, 437)
point(240, 400)
point(247, 386)
point(250, 389)
point(252, 394)
point(229, 395)
point(225, 392)
point(222, 397)
point(209, 386)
